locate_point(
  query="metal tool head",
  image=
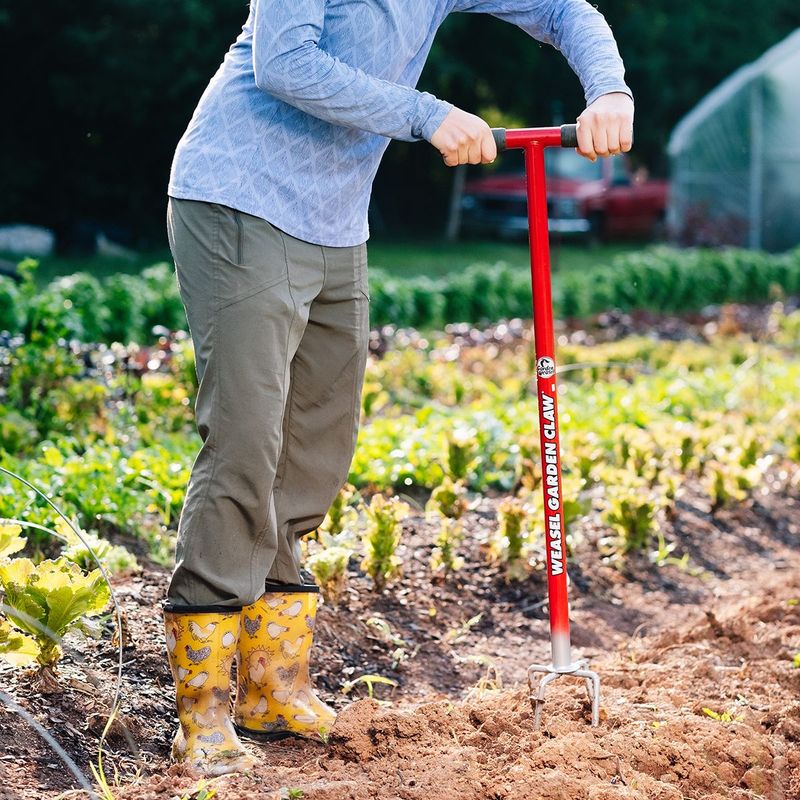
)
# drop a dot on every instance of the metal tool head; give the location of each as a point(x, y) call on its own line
point(549, 674)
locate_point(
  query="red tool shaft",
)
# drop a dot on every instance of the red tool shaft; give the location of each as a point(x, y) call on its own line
point(533, 141)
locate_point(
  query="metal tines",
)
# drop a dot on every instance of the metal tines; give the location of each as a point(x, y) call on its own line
point(578, 669)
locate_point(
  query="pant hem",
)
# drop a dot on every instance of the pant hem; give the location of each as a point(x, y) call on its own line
point(209, 608)
point(276, 586)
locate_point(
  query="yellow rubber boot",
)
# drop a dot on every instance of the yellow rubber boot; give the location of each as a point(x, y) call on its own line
point(201, 647)
point(275, 697)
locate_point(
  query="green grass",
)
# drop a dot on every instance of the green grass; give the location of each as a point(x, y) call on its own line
point(437, 257)
point(401, 257)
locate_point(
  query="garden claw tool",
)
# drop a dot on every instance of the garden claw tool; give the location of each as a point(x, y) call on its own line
point(533, 141)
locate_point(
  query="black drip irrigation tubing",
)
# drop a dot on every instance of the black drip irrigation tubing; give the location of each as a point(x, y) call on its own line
point(50, 739)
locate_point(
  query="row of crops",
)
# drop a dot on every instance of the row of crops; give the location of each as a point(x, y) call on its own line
point(127, 307)
point(108, 432)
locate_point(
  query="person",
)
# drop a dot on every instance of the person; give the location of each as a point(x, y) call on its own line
point(267, 224)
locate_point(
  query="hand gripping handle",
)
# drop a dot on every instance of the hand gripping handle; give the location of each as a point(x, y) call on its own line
point(569, 137)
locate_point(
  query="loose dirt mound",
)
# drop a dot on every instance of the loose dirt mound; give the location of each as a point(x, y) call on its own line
point(656, 740)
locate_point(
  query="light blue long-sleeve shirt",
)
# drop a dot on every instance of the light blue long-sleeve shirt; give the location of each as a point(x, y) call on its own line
point(293, 125)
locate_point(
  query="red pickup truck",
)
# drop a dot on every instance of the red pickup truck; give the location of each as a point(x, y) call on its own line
point(597, 201)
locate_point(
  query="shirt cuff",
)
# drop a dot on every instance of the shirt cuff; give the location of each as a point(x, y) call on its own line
point(599, 91)
point(430, 113)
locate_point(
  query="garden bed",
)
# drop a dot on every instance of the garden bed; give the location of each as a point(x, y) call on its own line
point(681, 452)
point(700, 694)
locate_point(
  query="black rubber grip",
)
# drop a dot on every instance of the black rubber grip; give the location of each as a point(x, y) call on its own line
point(499, 138)
point(569, 135)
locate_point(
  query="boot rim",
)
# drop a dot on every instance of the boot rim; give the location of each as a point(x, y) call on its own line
point(273, 587)
point(210, 608)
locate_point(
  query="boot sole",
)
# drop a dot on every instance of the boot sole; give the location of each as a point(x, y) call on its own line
point(272, 736)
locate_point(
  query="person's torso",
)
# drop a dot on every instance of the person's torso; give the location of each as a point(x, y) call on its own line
point(245, 148)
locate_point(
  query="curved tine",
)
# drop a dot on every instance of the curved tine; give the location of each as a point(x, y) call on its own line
point(54, 745)
point(539, 700)
point(117, 611)
point(589, 677)
point(593, 689)
point(596, 701)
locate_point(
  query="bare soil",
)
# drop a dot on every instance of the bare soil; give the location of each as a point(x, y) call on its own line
point(668, 642)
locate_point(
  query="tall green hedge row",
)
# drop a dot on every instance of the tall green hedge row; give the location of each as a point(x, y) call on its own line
point(126, 307)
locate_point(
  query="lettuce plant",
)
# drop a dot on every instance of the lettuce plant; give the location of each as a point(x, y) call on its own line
point(49, 600)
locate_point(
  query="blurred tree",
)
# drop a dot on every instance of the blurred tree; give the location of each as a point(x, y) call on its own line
point(96, 95)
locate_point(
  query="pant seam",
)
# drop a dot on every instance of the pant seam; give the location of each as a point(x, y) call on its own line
point(211, 439)
point(260, 538)
point(356, 395)
point(285, 454)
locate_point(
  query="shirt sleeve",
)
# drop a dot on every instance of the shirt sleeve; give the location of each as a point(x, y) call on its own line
point(575, 28)
point(289, 64)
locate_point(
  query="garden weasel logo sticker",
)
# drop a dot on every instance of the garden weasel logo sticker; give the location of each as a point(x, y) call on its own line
point(545, 367)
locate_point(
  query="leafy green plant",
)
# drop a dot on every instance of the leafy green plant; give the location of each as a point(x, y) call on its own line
point(724, 716)
point(662, 556)
point(126, 307)
point(39, 373)
point(17, 433)
point(114, 558)
point(448, 499)
point(47, 601)
point(10, 540)
point(16, 648)
point(369, 681)
point(444, 558)
point(341, 514)
point(203, 791)
point(329, 568)
point(630, 509)
point(381, 538)
point(461, 452)
point(511, 537)
point(382, 631)
point(727, 480)
point(459, 634)
point(528, 470)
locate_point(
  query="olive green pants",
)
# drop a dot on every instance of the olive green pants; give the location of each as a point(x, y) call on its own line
point(280, 329)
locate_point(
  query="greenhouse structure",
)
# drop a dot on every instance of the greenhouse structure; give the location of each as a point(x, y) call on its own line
point(735, 158)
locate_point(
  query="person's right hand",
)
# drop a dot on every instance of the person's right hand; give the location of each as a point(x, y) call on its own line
point(463, 138)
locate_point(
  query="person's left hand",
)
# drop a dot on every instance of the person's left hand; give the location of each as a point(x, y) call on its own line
point(606, 126)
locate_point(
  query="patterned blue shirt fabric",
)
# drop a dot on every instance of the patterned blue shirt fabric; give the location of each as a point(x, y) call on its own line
point(293, 125)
